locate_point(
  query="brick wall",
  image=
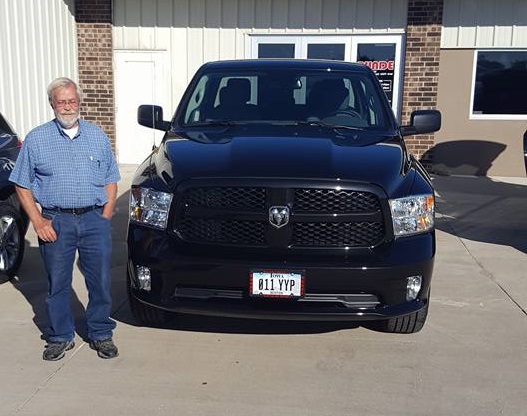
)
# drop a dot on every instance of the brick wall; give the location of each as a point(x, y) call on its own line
point(95, 60)
point(421, 71)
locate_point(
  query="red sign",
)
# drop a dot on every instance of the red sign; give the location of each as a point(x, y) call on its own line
point(379, 65)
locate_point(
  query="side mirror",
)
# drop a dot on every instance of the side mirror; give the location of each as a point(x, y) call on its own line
point(421, 122)
point(152, 116)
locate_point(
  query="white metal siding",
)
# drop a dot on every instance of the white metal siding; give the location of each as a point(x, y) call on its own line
point(37, 44)
point(197, 31)
point(484, 24)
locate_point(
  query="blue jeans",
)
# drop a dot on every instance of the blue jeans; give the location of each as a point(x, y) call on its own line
point(90, 235)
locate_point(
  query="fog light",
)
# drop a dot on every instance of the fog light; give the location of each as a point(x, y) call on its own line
point(144, 279)
point(413, 285)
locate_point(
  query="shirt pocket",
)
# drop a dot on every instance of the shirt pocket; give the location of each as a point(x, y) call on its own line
point(98, 170)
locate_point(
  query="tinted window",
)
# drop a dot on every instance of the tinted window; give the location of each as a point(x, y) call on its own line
point(276, 94)
point(501, 83)
point(276, 50)
point(333, 51)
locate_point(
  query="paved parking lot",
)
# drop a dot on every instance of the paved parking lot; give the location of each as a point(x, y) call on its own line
point(470, 359)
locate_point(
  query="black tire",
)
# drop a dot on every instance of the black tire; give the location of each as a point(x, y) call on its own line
point(143, 314)
point(408, 324)
point(12, 244)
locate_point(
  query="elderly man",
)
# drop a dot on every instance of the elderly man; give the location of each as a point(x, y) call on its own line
point(66, 166)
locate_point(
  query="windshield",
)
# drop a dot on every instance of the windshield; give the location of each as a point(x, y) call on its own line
point(278, 95)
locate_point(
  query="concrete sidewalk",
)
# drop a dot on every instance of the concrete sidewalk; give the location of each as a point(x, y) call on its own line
point(470, 359)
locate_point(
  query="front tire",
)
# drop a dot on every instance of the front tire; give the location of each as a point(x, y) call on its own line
point(407, 324)
point(12, 242)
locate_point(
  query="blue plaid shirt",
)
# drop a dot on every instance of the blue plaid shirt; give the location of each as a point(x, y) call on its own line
point(63, 172)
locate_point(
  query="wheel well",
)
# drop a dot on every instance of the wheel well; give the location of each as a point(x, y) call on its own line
point(8, 195)
point(6, 192)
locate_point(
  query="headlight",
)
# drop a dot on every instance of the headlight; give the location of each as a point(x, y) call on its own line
point(150, 207)
point(412, 215)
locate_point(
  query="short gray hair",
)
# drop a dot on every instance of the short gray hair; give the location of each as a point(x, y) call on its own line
point(61, 83)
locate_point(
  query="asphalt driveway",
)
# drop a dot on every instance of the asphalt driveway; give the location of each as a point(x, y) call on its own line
point(470, 359)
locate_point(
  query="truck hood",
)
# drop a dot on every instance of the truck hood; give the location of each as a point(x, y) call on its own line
point(320, 154)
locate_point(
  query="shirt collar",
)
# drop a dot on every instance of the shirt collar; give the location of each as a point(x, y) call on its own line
point(62, 133)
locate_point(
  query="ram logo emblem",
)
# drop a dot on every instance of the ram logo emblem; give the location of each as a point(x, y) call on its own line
point(278, 216)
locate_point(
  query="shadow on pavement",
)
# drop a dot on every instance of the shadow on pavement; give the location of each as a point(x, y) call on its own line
point(32, 283)
point(483, 209)
point(222, 325)
point(463, 157)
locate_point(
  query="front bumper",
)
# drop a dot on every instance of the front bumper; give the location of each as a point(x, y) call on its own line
point(363, 287)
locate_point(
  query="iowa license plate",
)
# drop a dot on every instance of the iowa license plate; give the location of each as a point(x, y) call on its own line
point(276, 283)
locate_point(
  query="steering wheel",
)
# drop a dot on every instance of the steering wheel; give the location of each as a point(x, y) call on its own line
point(347, 112)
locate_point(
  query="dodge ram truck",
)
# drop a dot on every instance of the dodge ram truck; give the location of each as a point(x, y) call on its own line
point(283, 189)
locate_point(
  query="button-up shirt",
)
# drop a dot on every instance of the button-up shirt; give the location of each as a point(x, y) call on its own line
point(63, 172)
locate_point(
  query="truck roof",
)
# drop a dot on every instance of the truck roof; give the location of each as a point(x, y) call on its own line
point(313, 64)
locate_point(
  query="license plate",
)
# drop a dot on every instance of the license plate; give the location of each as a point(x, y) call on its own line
point(276, 283)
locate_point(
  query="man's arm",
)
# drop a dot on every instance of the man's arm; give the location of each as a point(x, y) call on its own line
point(109, 207)
point(42, 226)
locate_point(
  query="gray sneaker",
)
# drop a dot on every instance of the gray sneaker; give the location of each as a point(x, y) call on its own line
point(55, 350)
point(105, 348)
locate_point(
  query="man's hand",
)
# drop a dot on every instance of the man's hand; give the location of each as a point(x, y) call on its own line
point(44, 230)
point(42, 225)
point(109, 207)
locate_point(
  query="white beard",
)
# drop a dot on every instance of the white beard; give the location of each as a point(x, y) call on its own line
point(67, 121)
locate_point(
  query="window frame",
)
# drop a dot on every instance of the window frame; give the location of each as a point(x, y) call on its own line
point(472, 115)
point(351, 42)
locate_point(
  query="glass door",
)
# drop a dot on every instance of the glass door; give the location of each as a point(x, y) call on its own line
point(301, 47)
point(382, 53)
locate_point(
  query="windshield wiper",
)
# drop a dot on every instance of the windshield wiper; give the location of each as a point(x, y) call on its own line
point(319, 123)
point(211, 123)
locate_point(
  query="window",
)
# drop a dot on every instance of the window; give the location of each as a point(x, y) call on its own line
point(280, 95)
point(333, 51)
point(500, 84)
point(382, 53)
point(276, 50)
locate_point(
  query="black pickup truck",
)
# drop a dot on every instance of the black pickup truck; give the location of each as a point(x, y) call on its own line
point(13, 220)
point(282, 189)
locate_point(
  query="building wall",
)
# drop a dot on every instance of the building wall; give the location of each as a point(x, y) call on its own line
point(37, 44)
point(96, 76)
point(197, 31)
point(472, 147)
point(484, 24)
point(421, 70)
point(466, 145)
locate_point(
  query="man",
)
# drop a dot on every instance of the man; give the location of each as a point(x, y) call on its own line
point(66, 166)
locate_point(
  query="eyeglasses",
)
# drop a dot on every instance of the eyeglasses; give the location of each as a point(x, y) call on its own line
point(63, 103)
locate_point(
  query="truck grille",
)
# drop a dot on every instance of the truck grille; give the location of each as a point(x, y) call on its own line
point(222, 232)
point(227, 197)
point(238, 216)
point(335, 201)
